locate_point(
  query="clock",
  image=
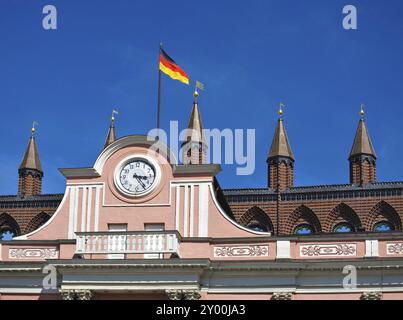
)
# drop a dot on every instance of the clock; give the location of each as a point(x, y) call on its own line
point(137, 176)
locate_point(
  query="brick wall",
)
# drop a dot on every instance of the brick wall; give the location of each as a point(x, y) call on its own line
point(329, 212)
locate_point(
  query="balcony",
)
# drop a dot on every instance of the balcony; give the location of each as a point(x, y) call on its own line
point(153, 244)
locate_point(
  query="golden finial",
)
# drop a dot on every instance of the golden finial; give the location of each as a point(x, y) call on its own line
point(113, 115)
point(362, 113)
point(195, 96)
point(280, 109)
point(198, 85)
point(33, 129)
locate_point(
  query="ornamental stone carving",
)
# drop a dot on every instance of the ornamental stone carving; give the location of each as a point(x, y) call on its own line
point(67, 294)
point(394, 248)
point(328, 250)
point(183, 294)
point(241, 251)
point(33, 254)
point(281, 296)
point(174, 294)
point(191, 294)
point(84, 294)
point(76, 294)
point(376, 295)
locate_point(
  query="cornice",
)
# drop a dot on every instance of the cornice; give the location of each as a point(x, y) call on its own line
point(321, 192)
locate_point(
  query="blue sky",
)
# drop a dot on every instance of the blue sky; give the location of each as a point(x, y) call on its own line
point(249, 54)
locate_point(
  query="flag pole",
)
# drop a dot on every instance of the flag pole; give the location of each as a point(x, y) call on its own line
point(159, 95)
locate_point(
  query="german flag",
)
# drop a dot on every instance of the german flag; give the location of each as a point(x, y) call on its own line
point(170, 67)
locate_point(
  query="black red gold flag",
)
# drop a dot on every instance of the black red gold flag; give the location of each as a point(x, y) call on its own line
point(171, 68)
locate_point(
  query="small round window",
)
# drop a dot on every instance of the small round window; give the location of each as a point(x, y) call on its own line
point(343, 228)
point(304, 229)
point(383, 226)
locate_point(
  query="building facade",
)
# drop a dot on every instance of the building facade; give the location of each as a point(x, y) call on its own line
point(140, 225)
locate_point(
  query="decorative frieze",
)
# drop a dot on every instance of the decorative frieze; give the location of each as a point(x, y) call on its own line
point(241, 251)
point(174, 294)
point(328, 250)
point(84, 294)
point(67, 294)
point(281, 296)
point(178, 294)
point(33, 254)
point(70, 294)
point(394, 248)
point(373, 295)
point(191, 294)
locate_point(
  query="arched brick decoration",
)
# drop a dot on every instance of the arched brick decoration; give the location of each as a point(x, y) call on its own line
point(8, 222)
point(255, 215)
point(37, 221)
point(346, 213)
point(302, 213)
point(383, 211)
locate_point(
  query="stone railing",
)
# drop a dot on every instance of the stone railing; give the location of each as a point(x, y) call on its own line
point(145, 242)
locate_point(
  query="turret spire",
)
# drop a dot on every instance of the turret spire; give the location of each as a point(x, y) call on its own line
point(111, 137)
point(30, 171)
point(280, 158)
point(362, 142)
point(194, 148)
point(362, 156)
point(280, 145)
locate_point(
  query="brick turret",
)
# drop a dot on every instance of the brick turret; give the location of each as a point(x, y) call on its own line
point(30, 171)
point(280, 159)
point(362, 157)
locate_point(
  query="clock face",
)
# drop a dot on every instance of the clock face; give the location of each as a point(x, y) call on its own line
point(137, 177)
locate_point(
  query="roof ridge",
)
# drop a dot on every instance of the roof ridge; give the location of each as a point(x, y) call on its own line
point(383, 183)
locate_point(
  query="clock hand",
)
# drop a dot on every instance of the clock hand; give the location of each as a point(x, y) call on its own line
point(141, 182)
point(141, 177)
